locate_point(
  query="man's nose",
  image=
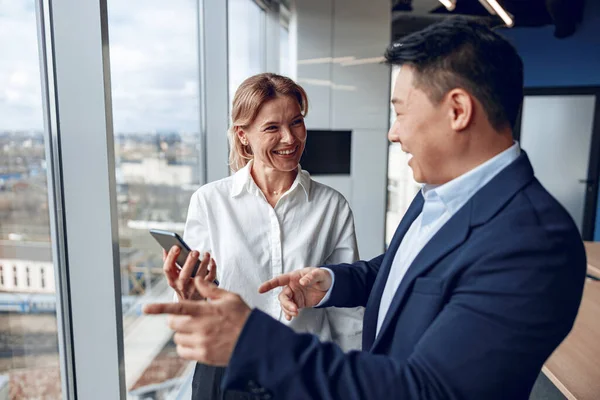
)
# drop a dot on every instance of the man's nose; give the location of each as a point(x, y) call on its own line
point(393, 135)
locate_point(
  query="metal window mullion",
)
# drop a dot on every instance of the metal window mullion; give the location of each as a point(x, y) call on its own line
point(215, 85)
point(284, 16)
point(55, 202)
point(271, 39)
point(293, 41)
point(85, 236)
point(202, 156)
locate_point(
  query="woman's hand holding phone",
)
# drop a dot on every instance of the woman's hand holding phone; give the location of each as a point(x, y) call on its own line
point(181, 279)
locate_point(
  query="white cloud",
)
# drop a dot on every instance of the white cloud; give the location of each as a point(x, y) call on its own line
point(20, 89)
point(154, 65)
point(154, 62)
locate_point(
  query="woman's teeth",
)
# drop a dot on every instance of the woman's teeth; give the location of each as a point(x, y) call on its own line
point(284, 152)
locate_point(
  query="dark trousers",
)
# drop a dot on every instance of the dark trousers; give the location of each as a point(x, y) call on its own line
point(206, 385)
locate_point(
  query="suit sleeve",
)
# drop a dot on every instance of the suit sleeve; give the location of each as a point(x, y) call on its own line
point(500, 324)
point(353, 283)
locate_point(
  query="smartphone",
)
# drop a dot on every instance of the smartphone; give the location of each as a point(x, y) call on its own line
point(169, 239)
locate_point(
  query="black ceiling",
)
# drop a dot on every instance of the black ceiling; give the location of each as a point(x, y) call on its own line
point(565, 15)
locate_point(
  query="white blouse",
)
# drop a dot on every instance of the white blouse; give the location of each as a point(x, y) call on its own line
point(252, 242)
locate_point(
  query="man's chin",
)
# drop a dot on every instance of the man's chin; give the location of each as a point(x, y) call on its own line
point(418, 177)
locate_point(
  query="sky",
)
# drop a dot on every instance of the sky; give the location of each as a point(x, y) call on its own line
point(153, 61)
point(20, 95)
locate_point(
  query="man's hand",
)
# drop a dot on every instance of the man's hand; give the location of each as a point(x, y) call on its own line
point(181, 280)
point(206, 331)
point(301, 289)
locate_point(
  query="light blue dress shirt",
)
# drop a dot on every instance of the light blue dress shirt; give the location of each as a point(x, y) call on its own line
point(441, 203)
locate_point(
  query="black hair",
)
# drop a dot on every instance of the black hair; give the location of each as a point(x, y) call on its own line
point(462, 53)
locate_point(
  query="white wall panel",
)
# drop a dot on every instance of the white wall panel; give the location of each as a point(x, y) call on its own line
point(360, 97)
point(369, 189)
point(352, 97)
point(314, 20)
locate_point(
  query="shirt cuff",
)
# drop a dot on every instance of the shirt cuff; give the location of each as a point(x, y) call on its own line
point(328, 294)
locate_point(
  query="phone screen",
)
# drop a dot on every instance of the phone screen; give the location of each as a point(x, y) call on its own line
point(169, 239)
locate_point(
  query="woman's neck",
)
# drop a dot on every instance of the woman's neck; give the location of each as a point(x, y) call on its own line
point(271, 181)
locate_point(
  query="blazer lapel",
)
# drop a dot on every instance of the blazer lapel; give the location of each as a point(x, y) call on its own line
point(451, 235)
point(372, 309)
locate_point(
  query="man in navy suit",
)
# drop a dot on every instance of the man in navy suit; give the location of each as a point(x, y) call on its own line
point(481, 282)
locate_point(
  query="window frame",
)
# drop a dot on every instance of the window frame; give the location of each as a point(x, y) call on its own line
point(73, 44)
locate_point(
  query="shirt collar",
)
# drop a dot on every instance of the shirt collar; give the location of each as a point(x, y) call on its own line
point(457, 192)
point(302, 179)
point(242, 179)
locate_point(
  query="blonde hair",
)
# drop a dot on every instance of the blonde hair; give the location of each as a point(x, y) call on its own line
point(249, 98)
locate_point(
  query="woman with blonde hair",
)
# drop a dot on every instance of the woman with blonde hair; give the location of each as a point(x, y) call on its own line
point(268, 218)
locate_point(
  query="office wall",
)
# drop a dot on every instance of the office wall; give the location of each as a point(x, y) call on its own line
point(342, 96)
point(573, 61)
point(551, 62)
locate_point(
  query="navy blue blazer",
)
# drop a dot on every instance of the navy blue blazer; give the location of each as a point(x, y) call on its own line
point(478, 312)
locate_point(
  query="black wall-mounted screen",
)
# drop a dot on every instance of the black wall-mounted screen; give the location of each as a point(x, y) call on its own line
point(327, 152)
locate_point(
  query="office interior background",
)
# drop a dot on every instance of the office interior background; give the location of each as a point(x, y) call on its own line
point(112, 113)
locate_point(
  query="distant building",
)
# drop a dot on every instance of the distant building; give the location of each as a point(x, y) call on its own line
point(27, 267)
point(157, 171)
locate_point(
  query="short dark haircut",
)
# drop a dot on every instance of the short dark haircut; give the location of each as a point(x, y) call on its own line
point(462, 53)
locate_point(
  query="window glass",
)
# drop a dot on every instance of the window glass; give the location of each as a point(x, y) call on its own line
point(156, 115)
point(29, 358)
point(401, 188)
point(246, 24)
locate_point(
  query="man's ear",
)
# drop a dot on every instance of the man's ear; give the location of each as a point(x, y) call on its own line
point(461, 106)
